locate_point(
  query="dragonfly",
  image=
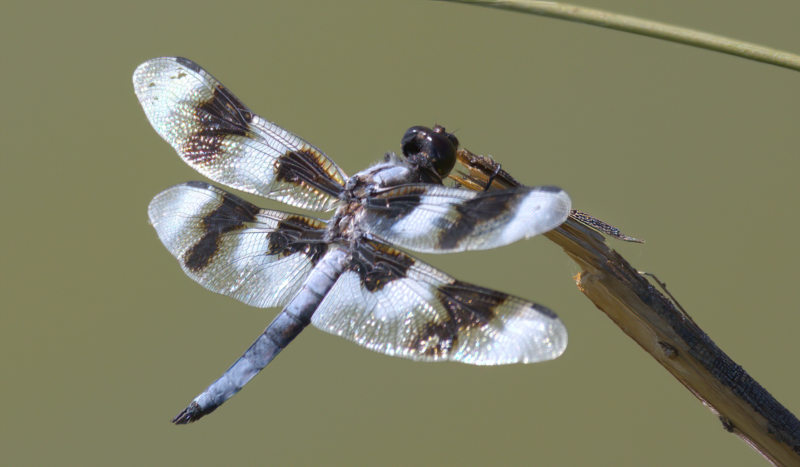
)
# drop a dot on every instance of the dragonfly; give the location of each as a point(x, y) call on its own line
point(347, 275)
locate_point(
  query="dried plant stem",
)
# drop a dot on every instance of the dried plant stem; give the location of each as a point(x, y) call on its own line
point(663, 330)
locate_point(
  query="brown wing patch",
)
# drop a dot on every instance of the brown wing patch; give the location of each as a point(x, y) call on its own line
point(218, 118)
point(298, 234)
point(467, 307)
point(378, 265)
point(398, 202)
point(231, 215)
point(474, 214)
point(309, 168)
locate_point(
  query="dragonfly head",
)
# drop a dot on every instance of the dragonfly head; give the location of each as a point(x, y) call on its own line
point(433, 149)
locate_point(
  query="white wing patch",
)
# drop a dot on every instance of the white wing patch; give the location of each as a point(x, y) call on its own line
point(438, 219)
point(418, 312)
point(229, 246)
point(215, 133)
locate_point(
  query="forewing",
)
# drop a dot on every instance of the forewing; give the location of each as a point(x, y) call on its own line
point(216, 134)
point(392, 303)
point(234, 248)
point(439, 219)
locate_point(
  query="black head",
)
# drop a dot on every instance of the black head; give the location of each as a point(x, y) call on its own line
point(433, 149)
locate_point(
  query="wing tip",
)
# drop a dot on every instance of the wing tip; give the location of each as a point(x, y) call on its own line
point(541, 333)
point(562, 342)
point(557, 330)
point(556, 201)
point(144, 68)
point(561, 196)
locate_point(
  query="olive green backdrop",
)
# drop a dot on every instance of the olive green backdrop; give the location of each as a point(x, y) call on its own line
point(104, 339)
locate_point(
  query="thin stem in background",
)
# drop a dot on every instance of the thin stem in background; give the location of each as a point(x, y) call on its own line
point(644, 27)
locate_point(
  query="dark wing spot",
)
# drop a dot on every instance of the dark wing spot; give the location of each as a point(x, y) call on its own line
point(395, 204)
point(307, 167)
point(296, 234)
point(474, 214)
point(467, 307)
point(378, 265)
point(231, 215)
point(393, 209)
point(203, 148)
point(219, 117)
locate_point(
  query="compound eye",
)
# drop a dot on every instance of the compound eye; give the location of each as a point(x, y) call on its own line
point(441, 130)
point(432, 148)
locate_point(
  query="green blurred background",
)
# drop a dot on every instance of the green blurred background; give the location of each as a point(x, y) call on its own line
point(104, 339)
